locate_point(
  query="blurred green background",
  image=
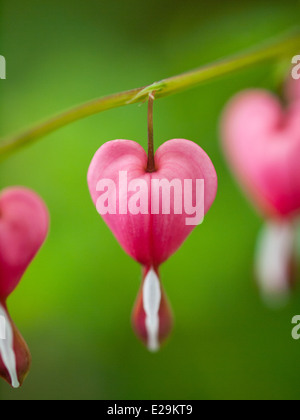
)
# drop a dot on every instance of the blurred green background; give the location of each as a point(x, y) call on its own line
point(74, 304)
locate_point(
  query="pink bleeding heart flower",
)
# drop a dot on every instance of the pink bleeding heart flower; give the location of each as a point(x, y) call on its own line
point(262, 143)
point(24, 225)
point(151, 227)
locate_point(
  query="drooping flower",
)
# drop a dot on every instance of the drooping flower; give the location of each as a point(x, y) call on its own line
point(24, 225)
point(150, 225)
point(262, 143)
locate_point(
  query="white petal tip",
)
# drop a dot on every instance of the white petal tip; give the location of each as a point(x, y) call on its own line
point(153, 348)
point(151, 303)
point(15, 385)
point(7, 352)
point(275, 252)
point(275, 300)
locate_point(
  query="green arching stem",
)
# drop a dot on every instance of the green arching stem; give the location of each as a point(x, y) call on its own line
point(281, 47)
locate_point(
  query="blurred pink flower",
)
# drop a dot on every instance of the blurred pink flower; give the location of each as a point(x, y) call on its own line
point(262, 143)
point(147, 237)
point(23, 228)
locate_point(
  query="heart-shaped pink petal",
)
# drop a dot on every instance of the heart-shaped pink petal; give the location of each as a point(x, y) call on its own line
point(262, 142)
point(151, 237)
point(151, 214)
point(24, 224)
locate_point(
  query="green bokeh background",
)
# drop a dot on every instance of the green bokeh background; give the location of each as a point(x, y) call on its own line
point(74, 304)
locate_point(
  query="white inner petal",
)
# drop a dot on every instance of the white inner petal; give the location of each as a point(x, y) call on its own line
point(6, 348)
point(274, 255)
point(151, 302)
